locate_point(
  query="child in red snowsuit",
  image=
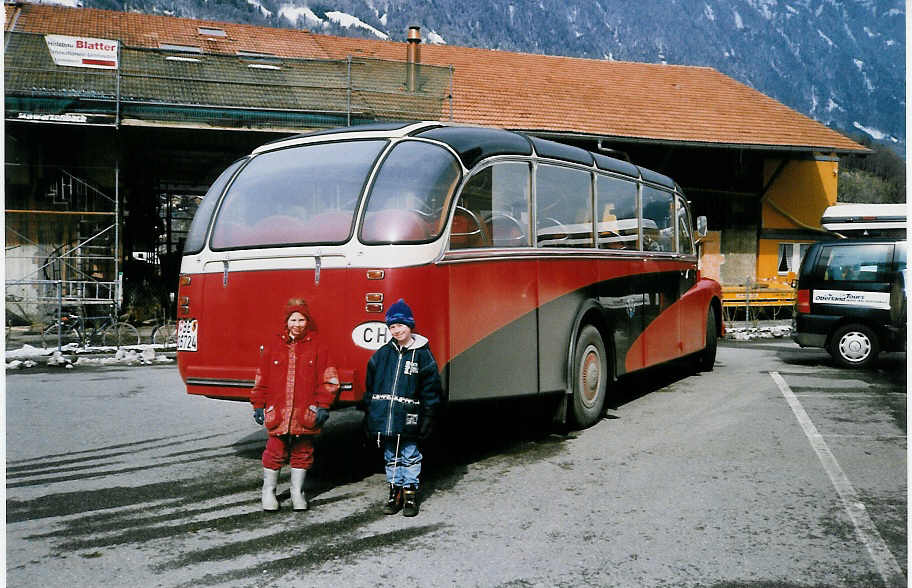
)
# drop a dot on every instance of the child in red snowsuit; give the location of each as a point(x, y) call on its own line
point(295, 385)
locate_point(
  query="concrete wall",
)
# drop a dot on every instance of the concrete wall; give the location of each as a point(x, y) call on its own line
point(740, 249)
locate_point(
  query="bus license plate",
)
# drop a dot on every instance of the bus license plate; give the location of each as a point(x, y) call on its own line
point(186, 335)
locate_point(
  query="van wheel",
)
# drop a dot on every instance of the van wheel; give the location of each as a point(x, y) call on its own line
point(706, 359)
point(854, 346)
point(590, 377)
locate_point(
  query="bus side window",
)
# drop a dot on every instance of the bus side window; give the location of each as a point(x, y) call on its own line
point(493, 208)
point(658, 212)
point(617, 224)
point(563, 207)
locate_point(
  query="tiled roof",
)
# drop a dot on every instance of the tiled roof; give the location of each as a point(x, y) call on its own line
point(512, 90)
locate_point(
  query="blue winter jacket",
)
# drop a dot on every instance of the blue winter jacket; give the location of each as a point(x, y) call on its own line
point(403, 388)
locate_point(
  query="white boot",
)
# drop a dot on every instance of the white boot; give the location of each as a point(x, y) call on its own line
point(298, 499)
point(270, 480)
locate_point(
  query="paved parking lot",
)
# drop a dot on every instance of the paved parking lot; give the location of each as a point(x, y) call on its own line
point(775, 469)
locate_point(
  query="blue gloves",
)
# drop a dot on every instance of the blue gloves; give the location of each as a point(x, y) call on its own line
point(258, 415)
point(322, 417)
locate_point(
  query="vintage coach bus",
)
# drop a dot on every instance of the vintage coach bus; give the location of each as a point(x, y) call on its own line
point(532, 266)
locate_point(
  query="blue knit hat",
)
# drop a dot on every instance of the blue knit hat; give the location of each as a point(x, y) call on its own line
point(400, 313)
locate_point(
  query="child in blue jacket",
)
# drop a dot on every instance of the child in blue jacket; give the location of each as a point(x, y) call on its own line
point(402, 393)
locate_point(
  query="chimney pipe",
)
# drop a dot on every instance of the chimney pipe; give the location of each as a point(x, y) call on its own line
point(413, 57)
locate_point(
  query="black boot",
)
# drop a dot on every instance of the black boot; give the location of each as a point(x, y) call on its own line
point(410, 501)
point(394, 502)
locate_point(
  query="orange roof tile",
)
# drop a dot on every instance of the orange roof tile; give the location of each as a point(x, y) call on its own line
point(498, 88)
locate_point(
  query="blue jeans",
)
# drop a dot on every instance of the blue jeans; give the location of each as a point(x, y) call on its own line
point(405, 470)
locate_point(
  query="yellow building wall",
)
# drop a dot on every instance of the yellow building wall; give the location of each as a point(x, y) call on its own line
point(796, 200)
point(799, 194)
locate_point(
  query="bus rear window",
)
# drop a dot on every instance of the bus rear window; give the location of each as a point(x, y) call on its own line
point(411, 195)
point(298, 196)
point(196, 237)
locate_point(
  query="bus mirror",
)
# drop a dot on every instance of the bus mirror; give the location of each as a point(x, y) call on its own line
point(702, 226)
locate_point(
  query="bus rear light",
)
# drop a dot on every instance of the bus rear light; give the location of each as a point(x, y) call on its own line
point(185, 280)
point(184, 301)
point(373, 297)
point(373, 307)
point(184, 309)
point(375, 274)
point(803, 301)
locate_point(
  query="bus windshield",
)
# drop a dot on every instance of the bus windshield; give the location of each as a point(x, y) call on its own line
point(411, 195)
point(298, 196)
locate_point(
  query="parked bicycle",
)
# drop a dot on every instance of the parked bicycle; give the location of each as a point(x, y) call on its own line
point(105, 330)
point(165, 334)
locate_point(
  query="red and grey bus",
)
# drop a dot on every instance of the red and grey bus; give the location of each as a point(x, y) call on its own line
point(534, 267)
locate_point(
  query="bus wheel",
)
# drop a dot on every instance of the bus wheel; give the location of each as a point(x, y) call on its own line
point(854, 346)
point(707, 358)
point(590, 377)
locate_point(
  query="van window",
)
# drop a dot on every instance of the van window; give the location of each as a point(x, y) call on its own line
point(899, 258)
point(411, 194)
point(855, 263)
point(617, 213)
point(658, 212)
point(493, 208)
point(563, 207)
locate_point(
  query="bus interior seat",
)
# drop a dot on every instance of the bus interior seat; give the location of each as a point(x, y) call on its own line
point(505, 230)
point(278, 229)
point(467, 231)
point(394, 225)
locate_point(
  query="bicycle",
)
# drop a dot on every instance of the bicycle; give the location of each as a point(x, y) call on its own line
point(103, 329)
point(165, 334)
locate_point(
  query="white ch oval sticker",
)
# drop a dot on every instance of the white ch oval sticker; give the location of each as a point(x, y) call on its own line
point(373, 335)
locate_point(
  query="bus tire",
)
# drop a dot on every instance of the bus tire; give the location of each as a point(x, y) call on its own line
point(707, 358)
point(590, 378)
point(854, 346)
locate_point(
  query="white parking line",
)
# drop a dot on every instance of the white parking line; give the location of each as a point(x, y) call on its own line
point(886, 564)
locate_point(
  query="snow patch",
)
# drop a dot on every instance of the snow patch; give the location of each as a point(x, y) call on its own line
point(348, 21)
point(859, 64)
point(833, 105)
point(871, 34)
point(739, 24)
point(825, 38)
point(875, 134)
point(708, 13)
point(382, 19)
point(791, 9)
point(434, 39)
point(292, 13)
point(255, 3)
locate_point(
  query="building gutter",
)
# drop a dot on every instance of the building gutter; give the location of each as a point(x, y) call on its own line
point(709, 144)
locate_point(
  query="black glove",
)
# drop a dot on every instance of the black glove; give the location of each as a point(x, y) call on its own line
point(425, 428)
point(258, 416)
point(322, 416)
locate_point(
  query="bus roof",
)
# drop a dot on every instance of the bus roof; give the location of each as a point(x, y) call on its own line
point(475, 143)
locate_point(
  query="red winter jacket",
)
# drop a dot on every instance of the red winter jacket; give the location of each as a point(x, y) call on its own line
point(290, 378)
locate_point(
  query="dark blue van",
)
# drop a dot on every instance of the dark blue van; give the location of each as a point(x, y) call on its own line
point(851, 299)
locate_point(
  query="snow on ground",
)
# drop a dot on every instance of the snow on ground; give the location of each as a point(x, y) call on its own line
point(29, 356)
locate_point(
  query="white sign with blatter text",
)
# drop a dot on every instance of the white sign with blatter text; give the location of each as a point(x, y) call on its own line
point(82, 51)
point(879, 300)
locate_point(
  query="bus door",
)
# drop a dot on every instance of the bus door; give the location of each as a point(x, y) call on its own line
point(661, 278)
point(568, 270)
point(621, 291)
point(493, 287)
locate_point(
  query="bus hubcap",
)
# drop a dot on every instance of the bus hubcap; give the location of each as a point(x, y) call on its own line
point(590, 374)
point(854, 346)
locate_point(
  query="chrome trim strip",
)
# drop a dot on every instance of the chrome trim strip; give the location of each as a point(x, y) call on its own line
point(467, 255)
point(218, 382)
